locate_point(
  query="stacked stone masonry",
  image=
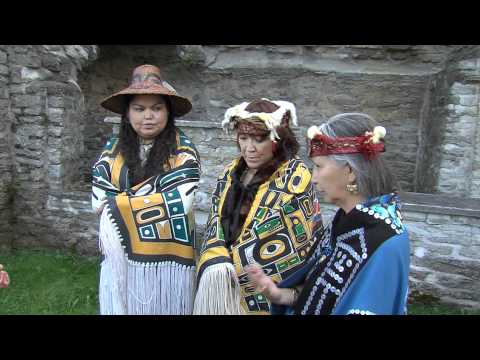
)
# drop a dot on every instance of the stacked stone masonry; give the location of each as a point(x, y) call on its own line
point(460, 149)
point(52, 129)
point(5, 151)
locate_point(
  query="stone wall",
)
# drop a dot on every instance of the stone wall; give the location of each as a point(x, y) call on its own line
point(457, 150)
point(445, 247)
point(6, 188)
point(448, 159)
point(432, 120)
point(45, 120)
point(388, 82)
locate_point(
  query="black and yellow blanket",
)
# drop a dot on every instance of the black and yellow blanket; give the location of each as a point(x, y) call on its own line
point(277, 234)
point(147, 234)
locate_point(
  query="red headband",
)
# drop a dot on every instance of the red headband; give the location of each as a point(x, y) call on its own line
point(244, 127)
point(325, 145)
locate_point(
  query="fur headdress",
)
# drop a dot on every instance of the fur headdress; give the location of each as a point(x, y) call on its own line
point(272, 120)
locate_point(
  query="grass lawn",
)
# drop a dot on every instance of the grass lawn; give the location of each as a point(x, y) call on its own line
point(56, 283)
point(49, 282)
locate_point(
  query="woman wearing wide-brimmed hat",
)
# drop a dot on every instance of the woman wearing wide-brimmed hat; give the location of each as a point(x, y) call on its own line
point(263, 211)
point(143, 188)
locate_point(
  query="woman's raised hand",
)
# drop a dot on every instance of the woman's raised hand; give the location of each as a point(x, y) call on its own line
point(262, 282)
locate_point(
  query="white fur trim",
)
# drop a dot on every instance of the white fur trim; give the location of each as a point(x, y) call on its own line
point(379, 132)
point(287, 106)
point(271, 120)
point(313, 131)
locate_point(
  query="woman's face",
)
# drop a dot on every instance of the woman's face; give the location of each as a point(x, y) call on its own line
point(255, 150)
point(148, 115)
point(331, 179)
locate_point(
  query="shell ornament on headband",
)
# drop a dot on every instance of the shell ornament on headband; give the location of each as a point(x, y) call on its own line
point(370, 144)
point(272, 120)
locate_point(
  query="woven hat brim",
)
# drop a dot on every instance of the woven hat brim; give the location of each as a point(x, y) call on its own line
point(117, 101)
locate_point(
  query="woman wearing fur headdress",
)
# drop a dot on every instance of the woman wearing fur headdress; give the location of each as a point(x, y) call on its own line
point(263, 211)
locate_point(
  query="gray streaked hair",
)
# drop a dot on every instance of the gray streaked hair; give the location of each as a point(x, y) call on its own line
point(373, 177)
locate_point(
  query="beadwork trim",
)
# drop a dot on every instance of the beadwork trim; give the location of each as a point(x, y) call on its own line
point(376, 215)
point(336, 259)
point(360, 312)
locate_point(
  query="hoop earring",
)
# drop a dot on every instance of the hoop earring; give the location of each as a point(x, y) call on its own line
point(352, 188)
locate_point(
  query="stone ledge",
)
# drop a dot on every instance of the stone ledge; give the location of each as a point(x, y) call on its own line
point(440, 204)
point(113, 120)
point(415, 202)
point(430, 204)
point(198, 124)
point(116, 120)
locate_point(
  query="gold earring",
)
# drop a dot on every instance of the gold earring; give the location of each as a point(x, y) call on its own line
point(352, 188)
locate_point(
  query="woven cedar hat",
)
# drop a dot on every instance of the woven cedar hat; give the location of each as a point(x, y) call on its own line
point(146, 80)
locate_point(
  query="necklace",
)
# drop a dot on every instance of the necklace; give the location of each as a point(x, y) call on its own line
point(143, 141)
point(145, 147)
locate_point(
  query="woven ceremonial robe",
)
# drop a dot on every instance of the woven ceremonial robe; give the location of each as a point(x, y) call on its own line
point(277, 235)
point(147, 234)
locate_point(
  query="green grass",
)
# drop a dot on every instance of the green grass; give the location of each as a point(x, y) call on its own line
point(438, 309)
point(49, 282)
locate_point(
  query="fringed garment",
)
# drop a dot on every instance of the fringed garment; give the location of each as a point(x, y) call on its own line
point(275, 232)
point(147, 234)
point(360, 266)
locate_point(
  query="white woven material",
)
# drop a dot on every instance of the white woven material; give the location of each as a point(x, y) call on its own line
point(218, 292)
point(133, 288)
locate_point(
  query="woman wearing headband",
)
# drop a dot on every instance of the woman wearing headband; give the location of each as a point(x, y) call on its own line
point(361, 263)
point(263, 211)
point(143, 187)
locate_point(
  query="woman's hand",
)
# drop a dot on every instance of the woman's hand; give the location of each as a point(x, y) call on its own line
point(4, 278)
point(263, 283)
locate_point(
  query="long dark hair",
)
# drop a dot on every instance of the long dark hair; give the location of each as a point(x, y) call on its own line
point(165, 144)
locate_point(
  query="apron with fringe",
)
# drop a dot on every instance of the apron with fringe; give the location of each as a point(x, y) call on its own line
point(147, 234)
point(277, 235)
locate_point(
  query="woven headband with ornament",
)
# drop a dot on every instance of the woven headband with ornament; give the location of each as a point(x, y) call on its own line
point(370, 144)
point(271, 120)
